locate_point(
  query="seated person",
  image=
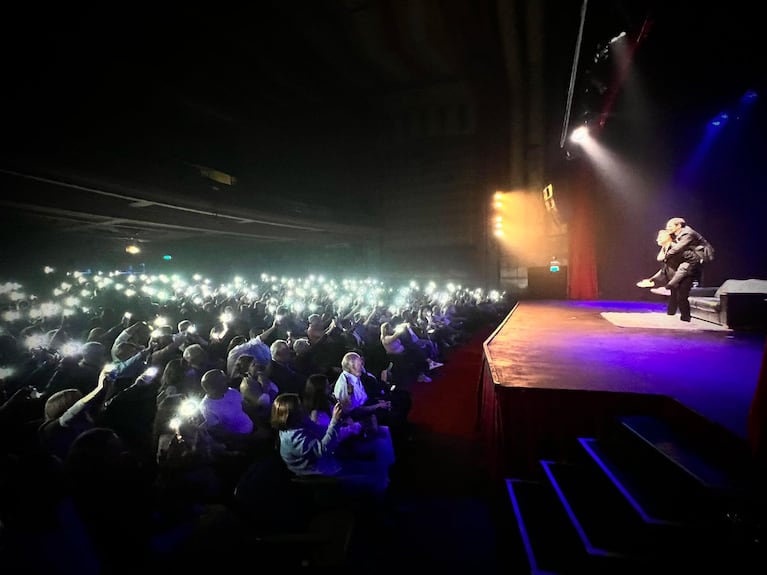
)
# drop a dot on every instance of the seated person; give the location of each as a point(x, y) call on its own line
point(410, 363)
point(350, 393)
point(187, 457)
point(354, 440)
point(66, 417)
point(308, 448)
point(400, 401)
point(281, 369)
point(222, 408)
point(258, 392)
point(254, 346)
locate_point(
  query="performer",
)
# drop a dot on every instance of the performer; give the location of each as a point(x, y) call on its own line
point(680, 252)
point(668, 268)
point(689, 244)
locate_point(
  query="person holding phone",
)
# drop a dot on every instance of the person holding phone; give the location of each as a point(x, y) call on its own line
point(308, 448)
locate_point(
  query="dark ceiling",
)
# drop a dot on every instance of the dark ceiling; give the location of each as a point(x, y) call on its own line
point(277, 96)
point(130, 124)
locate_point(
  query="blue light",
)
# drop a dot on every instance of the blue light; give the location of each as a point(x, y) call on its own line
point(553, 268)
point(749, 96)
point(720, 119)
point(167, 257)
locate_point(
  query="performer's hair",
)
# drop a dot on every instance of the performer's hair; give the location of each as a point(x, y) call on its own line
point(679, 221)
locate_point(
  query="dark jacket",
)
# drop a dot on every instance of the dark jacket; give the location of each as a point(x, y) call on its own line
point(687, 244)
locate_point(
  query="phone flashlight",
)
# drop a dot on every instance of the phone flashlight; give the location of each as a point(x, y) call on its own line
point(151, 372)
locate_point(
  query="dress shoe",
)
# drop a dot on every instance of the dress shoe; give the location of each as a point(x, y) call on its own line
point(684, 318)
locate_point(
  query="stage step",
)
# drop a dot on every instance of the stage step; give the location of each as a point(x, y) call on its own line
point(606, 524)
point(657, 496)
point(550, 542)
point(641, 497)
point(686, 456)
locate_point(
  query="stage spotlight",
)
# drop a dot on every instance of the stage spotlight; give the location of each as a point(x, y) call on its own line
point(617, 38)
point(720, 119)
point(133, 249)
point(580, 134)
point(749, 96)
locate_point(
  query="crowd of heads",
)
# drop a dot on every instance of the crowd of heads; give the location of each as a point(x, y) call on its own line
point(177, 386)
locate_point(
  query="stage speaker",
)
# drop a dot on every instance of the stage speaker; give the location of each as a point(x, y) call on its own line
point(542, 283)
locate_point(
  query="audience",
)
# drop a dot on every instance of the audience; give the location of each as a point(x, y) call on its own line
point(170, 424)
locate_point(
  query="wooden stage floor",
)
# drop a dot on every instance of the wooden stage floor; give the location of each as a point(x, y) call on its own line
point(569, 345)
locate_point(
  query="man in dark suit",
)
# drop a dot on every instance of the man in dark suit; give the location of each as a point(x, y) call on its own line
point(687, 245)
point(400, 400)
point(282, 371)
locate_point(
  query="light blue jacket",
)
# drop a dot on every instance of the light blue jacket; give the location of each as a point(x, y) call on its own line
point(308, 450)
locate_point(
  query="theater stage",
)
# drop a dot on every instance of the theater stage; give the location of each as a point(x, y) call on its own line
point(556, 368)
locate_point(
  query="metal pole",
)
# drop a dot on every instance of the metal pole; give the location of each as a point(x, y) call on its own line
point(573, 74)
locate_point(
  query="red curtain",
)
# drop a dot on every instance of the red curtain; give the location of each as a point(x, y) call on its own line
point(582, 281)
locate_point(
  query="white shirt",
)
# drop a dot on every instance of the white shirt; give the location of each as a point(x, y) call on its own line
point(226, 413)
point(350, 391)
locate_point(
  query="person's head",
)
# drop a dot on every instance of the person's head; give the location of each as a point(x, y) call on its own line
point(256, 369)
point(184, 325)
point(287, 412)
point(242, 365)
point(317, 392)
point(94, 353)
point(195, 355)
point(59, 402)
point(96, 334)
point(301, 346)
point(675, 224)
point(141, 332)
point(352, 363)
point(664, 237)
point(162, 336)
point(236, 340)
point(280, 351)
point(174, 372)
point(386, 328)
point(214, 383)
